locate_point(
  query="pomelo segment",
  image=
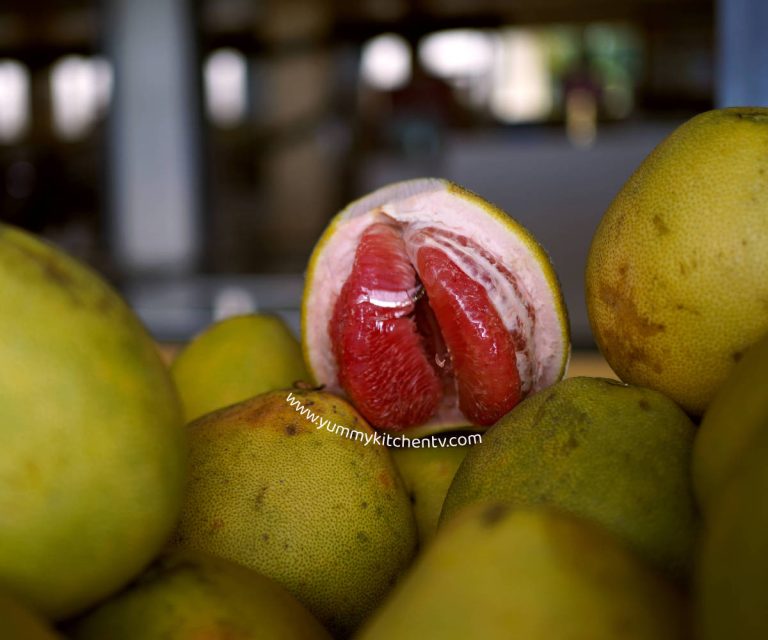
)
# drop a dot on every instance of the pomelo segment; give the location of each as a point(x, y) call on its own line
point(475, 336)
point(373, 322)
point(430, 308)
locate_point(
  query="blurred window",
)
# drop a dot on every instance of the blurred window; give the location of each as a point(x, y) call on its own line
point(226, 87)
point(80, 90)
point(14, 100)
point(385, 63)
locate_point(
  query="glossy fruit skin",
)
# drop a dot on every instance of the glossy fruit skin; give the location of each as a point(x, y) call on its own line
point(92, 456)
point(677, 274)
point(322, 513)
point(734, 419)
point(496, 573)
point(188, 595)
point(234, 359)
point(610, 453)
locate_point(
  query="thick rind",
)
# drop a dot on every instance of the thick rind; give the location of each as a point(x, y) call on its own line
point(492, 229)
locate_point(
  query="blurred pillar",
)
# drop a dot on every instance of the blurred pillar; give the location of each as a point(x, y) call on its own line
point(743, 53)
point(154, 137)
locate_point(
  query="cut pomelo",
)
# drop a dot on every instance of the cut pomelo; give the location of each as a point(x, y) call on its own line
point(428, 308)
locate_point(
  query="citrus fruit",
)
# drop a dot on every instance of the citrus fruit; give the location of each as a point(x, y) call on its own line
point(605, 451)
point(731, 585)
point(499, 573)
point(735, 416)
point(92, 454)
point(677, 274)
point(234, 359)
point(19, 623)
point(427, 474)
point(320, 511)
point(189, 595)
point(425, 304)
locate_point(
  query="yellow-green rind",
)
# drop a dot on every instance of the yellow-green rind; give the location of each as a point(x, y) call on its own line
point(234, 359)
point(497, 214)
point(92, 461)
point(17, 622)
point(608, 452)
point(731, 592)
point(498, 573)
point(188, 595)
point(322, 513)
point(677, 273)
point(427, 473)
point(734, 419)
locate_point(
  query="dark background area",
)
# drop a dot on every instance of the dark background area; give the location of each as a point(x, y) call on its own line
point(193, 152)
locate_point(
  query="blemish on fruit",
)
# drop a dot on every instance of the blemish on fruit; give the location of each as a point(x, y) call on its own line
point(661, 226)
point(493, 514)
point(644, 404)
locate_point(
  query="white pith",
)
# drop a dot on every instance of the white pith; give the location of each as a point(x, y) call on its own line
point(415, 206)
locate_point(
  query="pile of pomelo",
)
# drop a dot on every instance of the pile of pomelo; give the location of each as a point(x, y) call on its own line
point(418, 467)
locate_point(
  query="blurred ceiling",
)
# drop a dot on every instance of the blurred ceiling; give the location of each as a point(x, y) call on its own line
point(43, 30)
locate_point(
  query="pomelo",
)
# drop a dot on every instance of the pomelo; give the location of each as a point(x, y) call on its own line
point(731, 587)
point(426, 305)
point(427, 474)
point(320, 511)
point(92, 443)
point(677, 274)
point(735, 417)
point(17, 622)
point(189, 595)
point(499, 573)
point(611, 453)
point(234, 359)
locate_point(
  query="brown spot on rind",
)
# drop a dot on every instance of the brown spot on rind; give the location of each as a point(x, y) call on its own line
point(493, 514)
point(625, 339)
point(260, 495)
point(737, 355)
point(291, 430)
point(644, 404)
point(661, 227)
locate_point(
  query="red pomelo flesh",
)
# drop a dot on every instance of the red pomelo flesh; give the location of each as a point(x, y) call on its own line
point(482, 351)
point(383, 365)
point(398, 357)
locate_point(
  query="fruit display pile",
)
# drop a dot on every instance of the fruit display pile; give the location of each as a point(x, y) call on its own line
point(419, 465)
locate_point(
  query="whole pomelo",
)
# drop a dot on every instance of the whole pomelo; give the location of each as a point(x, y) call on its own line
point(499, 573)
point(611, 453)
point(92, 455)
point(319, 511)
point(677, 274)
point(234, 359)
point(427, 474)
point(188, 595)
point(734, 418)
point(17, 622)
point(732, 569)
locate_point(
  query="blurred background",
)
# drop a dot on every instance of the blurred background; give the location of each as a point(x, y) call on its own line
point(194, 151)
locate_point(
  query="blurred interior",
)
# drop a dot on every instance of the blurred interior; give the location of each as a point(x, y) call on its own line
point(193, 152)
